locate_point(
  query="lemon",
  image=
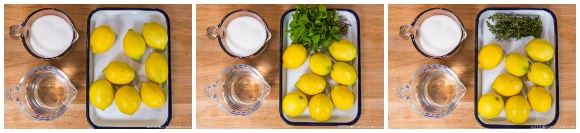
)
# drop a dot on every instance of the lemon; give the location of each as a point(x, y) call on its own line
point(156, 68)
point(517, 109)
point(489, 56)
point(311, 84)
point(343, 74)
point(155, 35)
point(294, 104)
point(133, 44)
point(342, 50)
point(490, 105)
point(342, 97)
point(119, 73)
point(127, 100)
point(101, 94)
point(320, 107)
point(320, 64)
point(517, 64)
point(540, 99)
point(102, 39)
point(152, 95)
point(540, 74)
point(294, 56)
point(540, 50)
point(507, 85)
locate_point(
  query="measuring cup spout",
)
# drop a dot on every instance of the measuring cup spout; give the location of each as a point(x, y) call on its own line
point(404, 92)
point(210, 91)
point(13, 94)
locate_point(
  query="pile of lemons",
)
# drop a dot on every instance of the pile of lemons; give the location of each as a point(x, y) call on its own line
point(127, 98)
point(313, 84)
point(509, 85)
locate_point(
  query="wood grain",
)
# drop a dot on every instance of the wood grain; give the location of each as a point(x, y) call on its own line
point(404, 60)
point(211, 60)
point(18, 61)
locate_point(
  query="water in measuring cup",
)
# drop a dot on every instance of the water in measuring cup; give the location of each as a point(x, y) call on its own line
point(245, 35)
point(50, 36)
point(436, 89)
point(242, 89)
point(46, 92)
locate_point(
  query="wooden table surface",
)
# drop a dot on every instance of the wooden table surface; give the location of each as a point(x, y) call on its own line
point(17, 61)
point(211, 60)
point(404, 60)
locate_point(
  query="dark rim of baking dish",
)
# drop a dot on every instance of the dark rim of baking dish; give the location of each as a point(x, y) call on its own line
point(358, 73)
point(455, 50)
point(219, 38)
point(65, 51)
point(556, 84)
point(169, 115)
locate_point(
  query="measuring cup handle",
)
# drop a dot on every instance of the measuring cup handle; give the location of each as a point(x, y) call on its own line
point(17, 31)
point(407, 31)
point(214, 32)
point(210, 91)
point(404, 92)
point(12, 94)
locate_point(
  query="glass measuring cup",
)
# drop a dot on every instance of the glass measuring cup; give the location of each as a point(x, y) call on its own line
point(25, 31)
point(433, 91)
point(412, 31)
point(44, 93)
point(220, 32)
point(240, 90)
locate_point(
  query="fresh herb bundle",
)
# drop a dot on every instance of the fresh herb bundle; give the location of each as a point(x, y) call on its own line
point(314, 26)
point(510, 26)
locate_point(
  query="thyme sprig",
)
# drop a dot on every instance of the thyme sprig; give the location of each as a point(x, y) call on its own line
point(514, 26)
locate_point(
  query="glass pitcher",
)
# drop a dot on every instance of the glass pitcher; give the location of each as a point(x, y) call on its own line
point(224, 35)
point(239, 90)
point(27, 34)
point(433, 91)
point(412, 31)
point(44, 93)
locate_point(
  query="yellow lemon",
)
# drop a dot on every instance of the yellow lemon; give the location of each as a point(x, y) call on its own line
point(101, 94)
point(342, 97)
point(517, 64)
point(320, 107)
point(541, 75)
point(342, 50)
point(155, 35)
point(343, 74)
point(489, 56)
point(152, 95)
point(156, 68)
point(119, 73)
point(540, 99)
point(294, 104)
point(311, 84)
point(294, 56)
point(133, 45)
point(102, 39)
point(490, 105)
point(517, 109)
point(507, 85)
point(127, 100)
point(540, 50)
point(320, 64)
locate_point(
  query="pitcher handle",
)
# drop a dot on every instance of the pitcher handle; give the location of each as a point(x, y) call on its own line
point(210, 91)
point(17, 31)
point(214, 32)
point(404, 92)
point(13, 94)
point(407, 31)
